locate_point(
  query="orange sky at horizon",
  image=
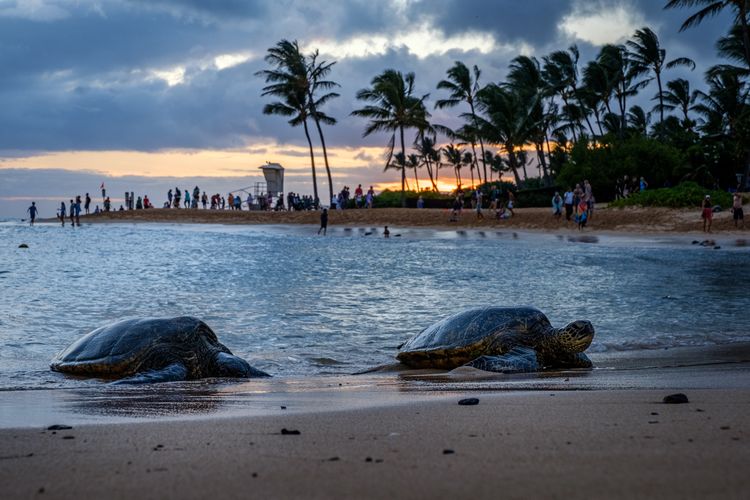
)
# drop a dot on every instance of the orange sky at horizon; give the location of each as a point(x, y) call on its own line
point(345, 163)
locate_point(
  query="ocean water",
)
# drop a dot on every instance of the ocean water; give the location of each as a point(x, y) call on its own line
point(295, 304)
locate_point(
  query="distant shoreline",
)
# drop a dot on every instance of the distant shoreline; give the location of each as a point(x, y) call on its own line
point(619, 220)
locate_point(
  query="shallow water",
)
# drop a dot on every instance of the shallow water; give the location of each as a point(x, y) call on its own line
point(294, 304)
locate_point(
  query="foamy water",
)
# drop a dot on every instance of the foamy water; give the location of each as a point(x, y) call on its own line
point(295, 304)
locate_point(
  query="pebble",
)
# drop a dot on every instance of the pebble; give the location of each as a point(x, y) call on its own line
point(448, 452)
point(69, 437)
point(469, 402)
point(58, 427)
point(675, 399)
point(290, 432)
point(23, 245)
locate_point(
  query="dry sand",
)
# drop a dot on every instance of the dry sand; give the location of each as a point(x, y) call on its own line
point(578, 444)
point(636, 220)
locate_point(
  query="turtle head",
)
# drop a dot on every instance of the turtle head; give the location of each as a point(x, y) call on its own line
point(229, 365)
point(577, 336)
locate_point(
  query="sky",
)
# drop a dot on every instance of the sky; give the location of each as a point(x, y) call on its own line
point(145, 95)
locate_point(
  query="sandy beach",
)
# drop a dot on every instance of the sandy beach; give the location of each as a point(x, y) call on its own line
point(605, 433)
point(627, 220)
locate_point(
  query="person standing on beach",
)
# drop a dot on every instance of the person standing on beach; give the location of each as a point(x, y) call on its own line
point(557, 205)
point(169, 197)
point(61, 213)
point(511, 202)
point(127, 199)
point(72, 213)
point(568, 199)
point(737, 213)
point(323, 221)
point(187, 199)
point(642, 185)
point(78, 210)
point(87, 204)
point(588, 195)
point(386, 232)
point(177, 197)
point(478, 197)
point(420, 202)
point(707, 214)
point(32, 210)
point(104, 193)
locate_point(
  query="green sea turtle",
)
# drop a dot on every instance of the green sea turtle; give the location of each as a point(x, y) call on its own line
point(499, 339)
point(152, 350)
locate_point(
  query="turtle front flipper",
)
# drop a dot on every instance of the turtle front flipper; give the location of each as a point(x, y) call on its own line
point(170, 373)
point(229, 365)
point(518, 359)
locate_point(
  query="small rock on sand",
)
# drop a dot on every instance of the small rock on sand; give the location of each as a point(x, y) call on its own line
point(469, 402)
point(58, 427)
point(675, 399)
point(290, 432)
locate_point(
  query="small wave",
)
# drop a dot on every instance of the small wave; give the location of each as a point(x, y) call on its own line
point(326, 362)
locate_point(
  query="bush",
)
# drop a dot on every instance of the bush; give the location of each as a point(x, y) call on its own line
point(687, 194)
point(602, 164)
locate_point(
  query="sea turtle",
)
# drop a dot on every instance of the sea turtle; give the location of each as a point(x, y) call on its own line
point(152, 350)
point(499, 339)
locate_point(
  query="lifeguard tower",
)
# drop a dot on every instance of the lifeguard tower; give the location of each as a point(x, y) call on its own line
point(274, 175)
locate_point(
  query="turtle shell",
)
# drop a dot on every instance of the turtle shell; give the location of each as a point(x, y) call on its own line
point(464, 336)
point(133, 345)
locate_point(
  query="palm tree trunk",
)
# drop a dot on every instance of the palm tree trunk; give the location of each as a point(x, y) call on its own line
point(471, 171)
point(513, 165)
point(429, 172)
point(585, 110)
point(325, 159)
point(312, 161)
point(661, 97)
point(403, 169)
point(481, 142)
point(474, 152)
point(542, 161)
point(416, 179)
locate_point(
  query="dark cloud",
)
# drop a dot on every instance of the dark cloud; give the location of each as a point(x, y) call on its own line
point(86, 79)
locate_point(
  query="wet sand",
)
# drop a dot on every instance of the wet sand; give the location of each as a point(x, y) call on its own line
point(626, 220)
point(583, 434)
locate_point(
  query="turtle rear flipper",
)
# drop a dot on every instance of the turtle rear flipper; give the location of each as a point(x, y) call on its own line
point(170, 373)
point(518, 359)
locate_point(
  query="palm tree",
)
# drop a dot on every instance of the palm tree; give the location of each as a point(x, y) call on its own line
point(647, 56)
point(394, 109)
point(425, 146)
point(508, 120)
point(454, 155)
point(725, 106)
point(318, 71)
point(463, 86)
point(525, 77)
point(711, 8)
point(677, 96)
point(468, 161)
point(293, 72)
point(398, 163)
point(638, 120)
point(294, 103)
point(413, 162)
point(560, 74)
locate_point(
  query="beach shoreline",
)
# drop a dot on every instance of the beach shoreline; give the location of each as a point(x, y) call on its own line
point(399, 434)
point(605, 220)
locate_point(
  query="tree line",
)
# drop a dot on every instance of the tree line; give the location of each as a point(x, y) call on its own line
point(568, 119)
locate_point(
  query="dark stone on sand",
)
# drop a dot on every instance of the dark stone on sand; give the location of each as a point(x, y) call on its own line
point(23, 245)
point(695, 242)
point(255, 474)
point(69, 437)
point(368, 459)
point(448, 452)
point(290, 432)
point(717, 247)
point(283, 407)
point(334, 459)
point(58, 427)
point(676, 399)
point(469, 402)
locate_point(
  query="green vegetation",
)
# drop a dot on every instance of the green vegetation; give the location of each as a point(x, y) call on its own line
point(566, 119)
point(687, 194)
